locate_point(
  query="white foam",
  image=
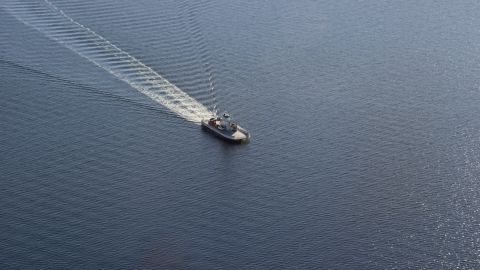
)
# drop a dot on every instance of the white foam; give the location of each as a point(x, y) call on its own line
point(55, 24)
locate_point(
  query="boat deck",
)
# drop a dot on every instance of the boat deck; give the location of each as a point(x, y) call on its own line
point(238, 135)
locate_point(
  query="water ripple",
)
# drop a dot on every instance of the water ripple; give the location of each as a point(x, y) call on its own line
point(54, 23)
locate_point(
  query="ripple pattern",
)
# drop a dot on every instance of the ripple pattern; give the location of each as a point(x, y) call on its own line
point(55, 24)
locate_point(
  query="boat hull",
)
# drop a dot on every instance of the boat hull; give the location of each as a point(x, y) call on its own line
point(233, 136)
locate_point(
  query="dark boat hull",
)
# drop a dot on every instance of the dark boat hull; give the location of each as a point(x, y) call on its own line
point(232, 136)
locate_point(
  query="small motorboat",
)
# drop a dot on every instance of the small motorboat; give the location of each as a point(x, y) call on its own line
point(224, 127)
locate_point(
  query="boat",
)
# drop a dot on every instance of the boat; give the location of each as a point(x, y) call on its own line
point(225, 128)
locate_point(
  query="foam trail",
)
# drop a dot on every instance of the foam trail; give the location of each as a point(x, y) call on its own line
point(55, 24)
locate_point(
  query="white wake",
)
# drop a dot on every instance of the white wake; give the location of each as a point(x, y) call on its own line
point(55, 24)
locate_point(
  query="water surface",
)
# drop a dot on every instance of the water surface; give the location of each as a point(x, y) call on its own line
point(364, 151)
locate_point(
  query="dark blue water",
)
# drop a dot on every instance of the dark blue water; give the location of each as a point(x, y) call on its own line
point(365, 149)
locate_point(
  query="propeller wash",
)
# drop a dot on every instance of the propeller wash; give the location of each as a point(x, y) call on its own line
point(55, 24)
